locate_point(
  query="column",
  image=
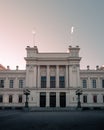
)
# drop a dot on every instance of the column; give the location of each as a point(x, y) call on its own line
point(89, 85)
point(99, 98)
point(27, 76)
point(15, 98)
point(38, 99)
point(35, 75)
point(47, 99)
point(6, 83)
point(67, 99)
point(66, 77)
point(5, 98)
point(16, 83)
point(57, 99)
point(90, 98)
point(38, 76)
point(57, 76)
point(70, 76)
point(48, 77)
point(99, 83)
point(78, 76)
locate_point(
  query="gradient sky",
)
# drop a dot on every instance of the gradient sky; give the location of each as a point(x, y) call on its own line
point(52, 20)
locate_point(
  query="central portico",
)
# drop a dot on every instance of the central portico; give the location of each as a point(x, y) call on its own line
point(52, 78)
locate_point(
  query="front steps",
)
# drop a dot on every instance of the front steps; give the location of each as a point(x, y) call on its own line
point(50, 109)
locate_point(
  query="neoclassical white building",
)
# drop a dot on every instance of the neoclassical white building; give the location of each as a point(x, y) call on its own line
point(52, 79)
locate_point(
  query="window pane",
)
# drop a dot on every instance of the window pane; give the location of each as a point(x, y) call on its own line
point(103, 98)
point(20, 99)
point(1, 98)
point(94, 83)
point(52, 82)
point(20, 83)
point(103, 83)
point(11, 83)
point(84, 82)
point(95, 98)
point(43, 81)
point(1, 83)
point(62, 82)
point(85, 99)
point(10, 98)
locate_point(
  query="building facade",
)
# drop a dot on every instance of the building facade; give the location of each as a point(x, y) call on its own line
point(53, 79)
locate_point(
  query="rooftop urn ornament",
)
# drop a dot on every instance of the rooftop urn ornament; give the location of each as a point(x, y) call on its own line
point(79, 92)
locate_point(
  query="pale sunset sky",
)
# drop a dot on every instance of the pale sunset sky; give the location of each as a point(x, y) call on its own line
point(52, 20)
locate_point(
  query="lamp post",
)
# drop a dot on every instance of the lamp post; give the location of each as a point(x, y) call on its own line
point(79, 92)
point(26, 92)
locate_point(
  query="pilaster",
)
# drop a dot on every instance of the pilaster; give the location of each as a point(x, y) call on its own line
point(66, 77)
point(57, 99)
point(67, 99)
point(38, 76)
point(48, 77)
point(47, 99)
point(57, 76)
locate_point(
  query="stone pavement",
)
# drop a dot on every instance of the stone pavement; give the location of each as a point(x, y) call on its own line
point(73, 120)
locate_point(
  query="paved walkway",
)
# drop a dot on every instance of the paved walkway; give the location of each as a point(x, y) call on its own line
point(82, 120)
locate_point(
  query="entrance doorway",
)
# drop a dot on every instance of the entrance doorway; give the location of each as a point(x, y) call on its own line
point(52, 99)
point(63, 99)
point(42, 99)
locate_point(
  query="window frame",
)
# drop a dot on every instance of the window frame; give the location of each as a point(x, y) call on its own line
point(85, 98)
point(21, 83)
point(84, 83)
point(102, 83)
point(43, 81)
point(94, 83)
point(1, 83)
point(61, 81)
point(10, 98)
point(94, 98)
point(1, 98)
point(11, 83)
point(52, 81)
point(20, 98)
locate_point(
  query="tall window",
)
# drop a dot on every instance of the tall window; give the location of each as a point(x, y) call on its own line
point(20, 98)
point(52, 82)
point(85, 99)
point(1, 98)
point(62, 82)
point(94, 83)
point(43, 81)
point(95, 98)
point(103, 83)
point(84, 83)
point(10, 98)
point(20, 83)
point(103, 98)
point(11, 83)
point(1, 83)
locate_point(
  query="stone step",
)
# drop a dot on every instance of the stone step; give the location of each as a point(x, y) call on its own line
point(35, 109)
